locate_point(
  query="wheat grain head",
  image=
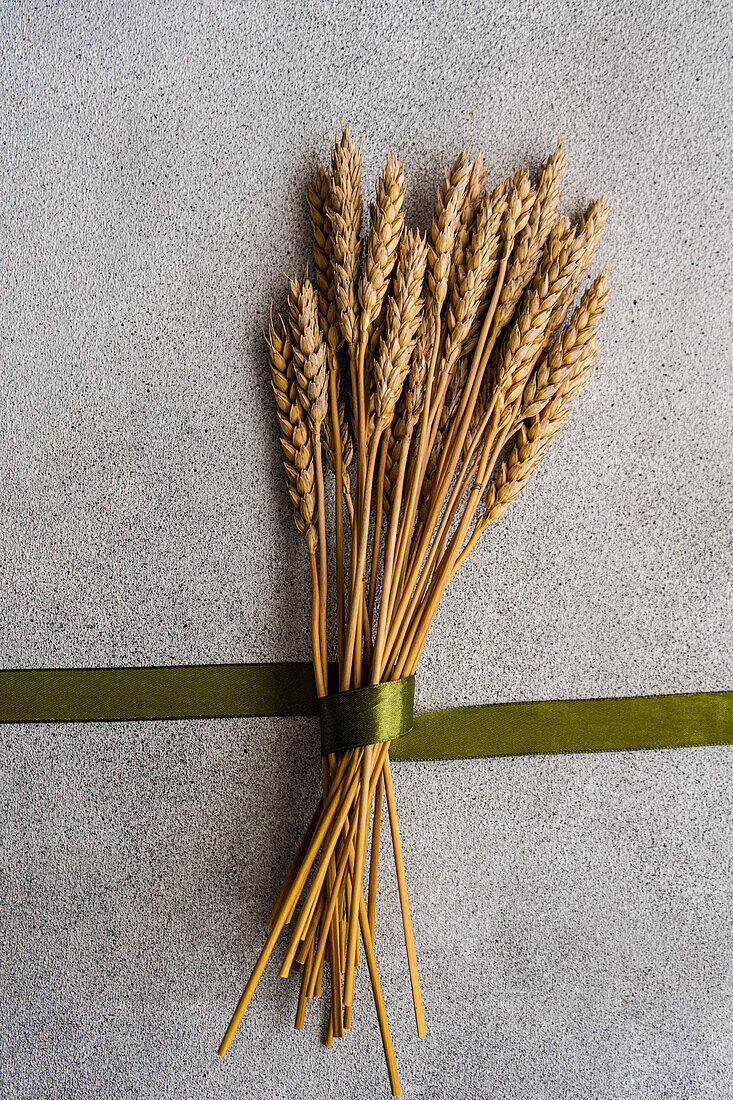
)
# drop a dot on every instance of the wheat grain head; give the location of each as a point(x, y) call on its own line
point(404, 309)
point(309, 353)
point(295, 436)
point(473, 279)
point(532, 236)
point(559, 362)
point(445, 225)
point(345, 214)
point(319, 205)
point(385, 228)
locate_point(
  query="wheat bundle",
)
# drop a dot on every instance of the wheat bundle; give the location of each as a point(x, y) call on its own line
point(456, 354)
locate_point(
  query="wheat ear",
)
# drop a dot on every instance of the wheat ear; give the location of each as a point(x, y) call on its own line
point(407, 571)
point(385, 228)
point(532, 237)
point(523, 342)
point(393, 345)
point(587, 239)
point(474, 194)
point(559, 363)
point(404, 310)
point(345, 214)
point(442, 238)
point(498, 206)
point(297, 446)
point(294, 435)
point(470, 287)
point(311, 374)
point(319, 208)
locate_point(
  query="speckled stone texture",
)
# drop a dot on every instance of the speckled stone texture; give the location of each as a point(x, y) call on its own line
point(573, 914)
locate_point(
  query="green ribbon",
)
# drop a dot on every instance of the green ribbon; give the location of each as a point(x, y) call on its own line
point(367, 716)
point(174, 691)
point(376, 714)
point(574, 725)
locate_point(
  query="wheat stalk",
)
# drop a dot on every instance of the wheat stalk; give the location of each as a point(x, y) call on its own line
point(311, 374)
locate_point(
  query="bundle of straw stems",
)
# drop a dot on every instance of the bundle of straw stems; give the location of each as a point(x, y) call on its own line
point(428, 373)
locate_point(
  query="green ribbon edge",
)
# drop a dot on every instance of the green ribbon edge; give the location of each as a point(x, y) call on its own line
point(282, 689)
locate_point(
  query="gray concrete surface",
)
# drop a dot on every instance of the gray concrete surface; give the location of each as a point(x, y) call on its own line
point(573, 914)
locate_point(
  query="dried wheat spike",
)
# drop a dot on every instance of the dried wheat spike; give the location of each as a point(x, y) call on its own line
point(345, 214)
point(522, 197)
point(404, 308)
point(588, 237)
point(531, 238)
point(294, 434)
point(319, 205)
point(473, 279)
point(524, 340)
point(561, 233)
point(527, 194)
point(514, 474)
point(562, 241)
point(533, 438)
point(309, 353)
point(524, 458)
point(474, 194)
point(446, 222)
point(594, 220)
point(592, 225)
point(498, 208)
point(581, 371)
point(548, 189)
point(514, 211)
point(559, 363)
point(385, 228)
